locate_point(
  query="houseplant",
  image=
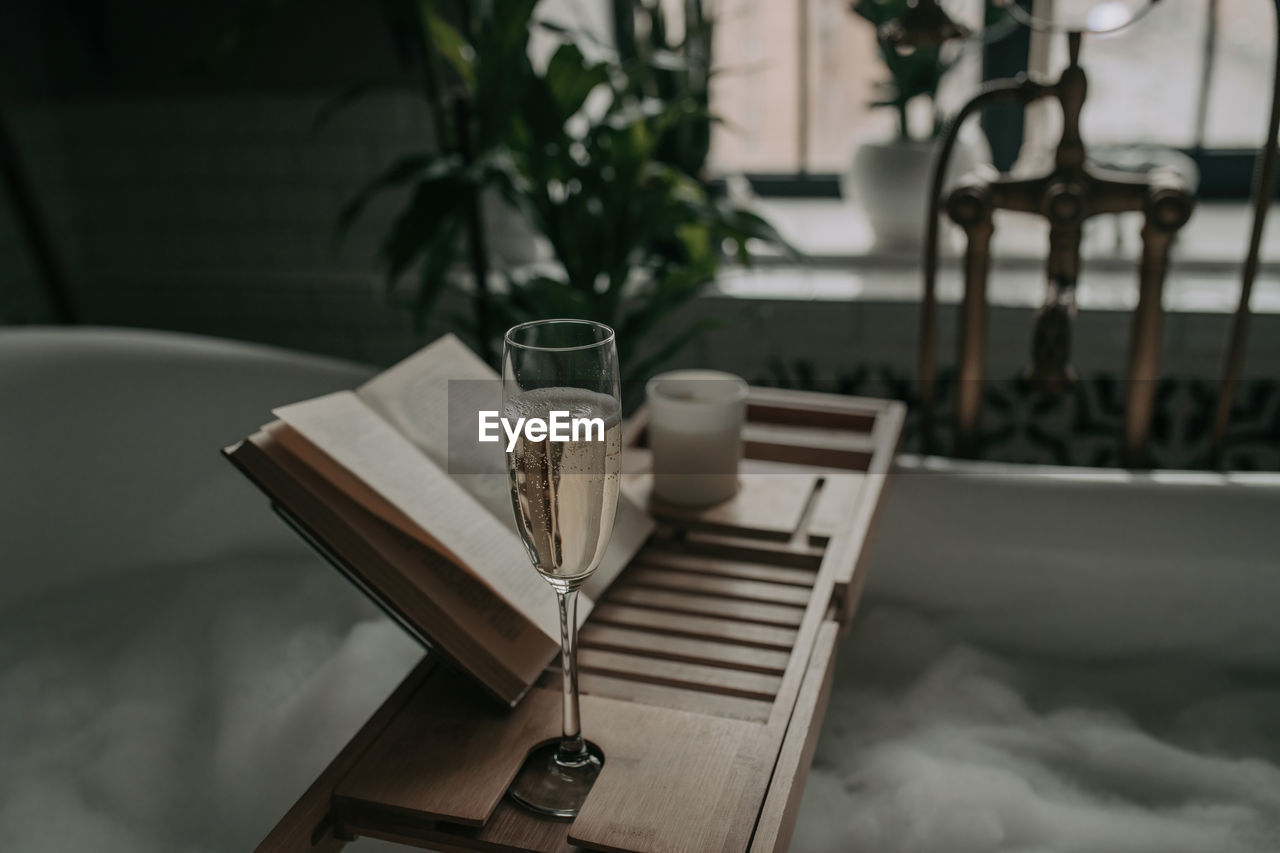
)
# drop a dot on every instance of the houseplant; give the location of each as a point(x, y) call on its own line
point(581, 149)
point(889, 178)
point(671, 69)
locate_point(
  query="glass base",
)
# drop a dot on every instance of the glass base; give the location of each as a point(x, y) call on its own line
point(557, 788)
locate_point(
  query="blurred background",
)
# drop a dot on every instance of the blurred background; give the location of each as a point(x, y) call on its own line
point(203, 169)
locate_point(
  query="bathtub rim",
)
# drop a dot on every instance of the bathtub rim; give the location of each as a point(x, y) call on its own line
point(907, 463)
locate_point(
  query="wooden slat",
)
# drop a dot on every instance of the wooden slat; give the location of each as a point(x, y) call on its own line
point(767, 504)
point(810, 406)
point(811, 436)
point(673, 781)
point(853, 542)
point(687, 625)
point(664, 559)
point(778, 815)
point(852, 421)
point(452, 752)
point(662, 696)
point(730, 655)
point(708, 762)
point(723, 587)
point(755, 550)
point(705, 605)
point(839, 560)
point(510, 827)
point(807, 446)
point(693, 676)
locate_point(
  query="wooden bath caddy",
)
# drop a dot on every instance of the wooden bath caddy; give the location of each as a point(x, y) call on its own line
point(705, 670)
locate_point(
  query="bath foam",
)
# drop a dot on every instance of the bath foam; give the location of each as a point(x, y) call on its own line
point(932, 744)
point(183, 708)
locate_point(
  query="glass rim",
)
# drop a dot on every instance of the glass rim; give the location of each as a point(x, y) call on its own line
point(607, 339)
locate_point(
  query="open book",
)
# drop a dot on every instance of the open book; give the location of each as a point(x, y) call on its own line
point(365, 476)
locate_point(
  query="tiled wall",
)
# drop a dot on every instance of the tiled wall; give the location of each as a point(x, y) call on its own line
point(216, 215)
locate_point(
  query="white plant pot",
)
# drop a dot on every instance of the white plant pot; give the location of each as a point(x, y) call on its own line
point(890, 181)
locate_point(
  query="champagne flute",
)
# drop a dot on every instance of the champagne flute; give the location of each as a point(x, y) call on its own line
point(564, 494)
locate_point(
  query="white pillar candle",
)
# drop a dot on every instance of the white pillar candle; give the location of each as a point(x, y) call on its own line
point(695, 435)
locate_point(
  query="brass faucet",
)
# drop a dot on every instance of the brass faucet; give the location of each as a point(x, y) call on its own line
point(1069, 194)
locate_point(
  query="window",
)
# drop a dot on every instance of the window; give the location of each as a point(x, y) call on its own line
point(796, 78)
point(1183, 76)
point(796, 82)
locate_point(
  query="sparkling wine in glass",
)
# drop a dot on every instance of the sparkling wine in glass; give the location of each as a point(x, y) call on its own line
point(564, 494)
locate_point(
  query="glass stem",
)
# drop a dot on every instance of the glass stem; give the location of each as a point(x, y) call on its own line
point(572, 750)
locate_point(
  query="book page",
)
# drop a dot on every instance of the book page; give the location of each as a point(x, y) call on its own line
point(414, 397)
point(353, 435)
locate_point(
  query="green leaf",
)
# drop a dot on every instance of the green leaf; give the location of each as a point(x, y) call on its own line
point(570, 79)
point(621, 201)
point(503, 73)
point(436, 265)
point(578, 35)
point(545, 296)
point(434, 203)
point(448, 42)
point(696, 238)
point(880, 12)
point(743, 224)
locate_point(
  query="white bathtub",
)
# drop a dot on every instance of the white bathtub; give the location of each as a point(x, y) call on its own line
point(175, 666)
point(1013, 554)
point(1059, 660)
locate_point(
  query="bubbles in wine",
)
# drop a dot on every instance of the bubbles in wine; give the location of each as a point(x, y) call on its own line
point(565, 493)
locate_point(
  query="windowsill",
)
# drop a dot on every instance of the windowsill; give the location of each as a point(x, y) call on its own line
point(843, 262)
